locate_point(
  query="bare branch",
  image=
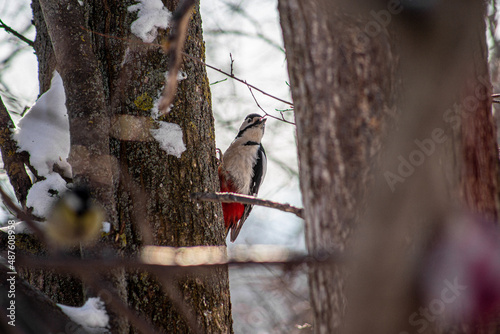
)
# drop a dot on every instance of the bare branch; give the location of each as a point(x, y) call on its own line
point(15, 33)
point(282, 119)
point(175, 44)
point(238, 198)
point(218, 81)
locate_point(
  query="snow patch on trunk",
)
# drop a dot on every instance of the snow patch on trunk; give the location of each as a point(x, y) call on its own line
point(169, 136)
point(151, 16)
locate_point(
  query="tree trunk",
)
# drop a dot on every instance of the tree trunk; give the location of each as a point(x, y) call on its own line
point(341, 86)
point(342, 75)
point(111, 81)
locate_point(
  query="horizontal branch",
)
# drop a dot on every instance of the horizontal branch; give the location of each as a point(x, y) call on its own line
point(13, 160)
point(182, 259)
point(245, 199)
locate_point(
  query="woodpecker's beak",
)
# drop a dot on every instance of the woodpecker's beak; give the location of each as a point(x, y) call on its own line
point(262, 119)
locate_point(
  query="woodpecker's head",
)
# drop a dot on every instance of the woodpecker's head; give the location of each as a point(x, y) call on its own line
point(252, 128)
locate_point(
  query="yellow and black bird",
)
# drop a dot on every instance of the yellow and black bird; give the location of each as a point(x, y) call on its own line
point(75, 218)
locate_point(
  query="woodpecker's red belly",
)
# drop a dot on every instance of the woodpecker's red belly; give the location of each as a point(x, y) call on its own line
point(232, 211)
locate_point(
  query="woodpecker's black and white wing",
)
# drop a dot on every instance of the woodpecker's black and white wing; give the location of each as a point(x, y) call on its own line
point(259, 172)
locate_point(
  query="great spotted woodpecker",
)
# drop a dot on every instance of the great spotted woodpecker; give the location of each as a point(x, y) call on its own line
point(242, 170)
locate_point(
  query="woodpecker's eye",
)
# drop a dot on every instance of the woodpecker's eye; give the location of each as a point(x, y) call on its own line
point(249, 120)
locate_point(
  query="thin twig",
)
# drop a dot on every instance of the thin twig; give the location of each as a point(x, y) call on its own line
point(232, 62)
point(218, 81)
point(235, 78)
point(15, 33)
point(238, 198)
point(266, 113)
point(181, 18)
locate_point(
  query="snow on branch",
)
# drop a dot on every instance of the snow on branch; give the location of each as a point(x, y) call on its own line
point(44, 131)
point(245, 199)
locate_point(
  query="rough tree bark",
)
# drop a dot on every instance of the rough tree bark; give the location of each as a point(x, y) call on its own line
point(342, 63)
point(13, 163)
point(341, 86)
point(111, 80)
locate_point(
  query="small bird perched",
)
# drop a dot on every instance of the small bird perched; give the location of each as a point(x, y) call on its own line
point(242, 170)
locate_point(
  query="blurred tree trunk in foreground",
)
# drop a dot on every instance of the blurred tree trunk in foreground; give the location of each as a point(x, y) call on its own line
point(350, 65)
point(341, 83)
point(111, 82)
